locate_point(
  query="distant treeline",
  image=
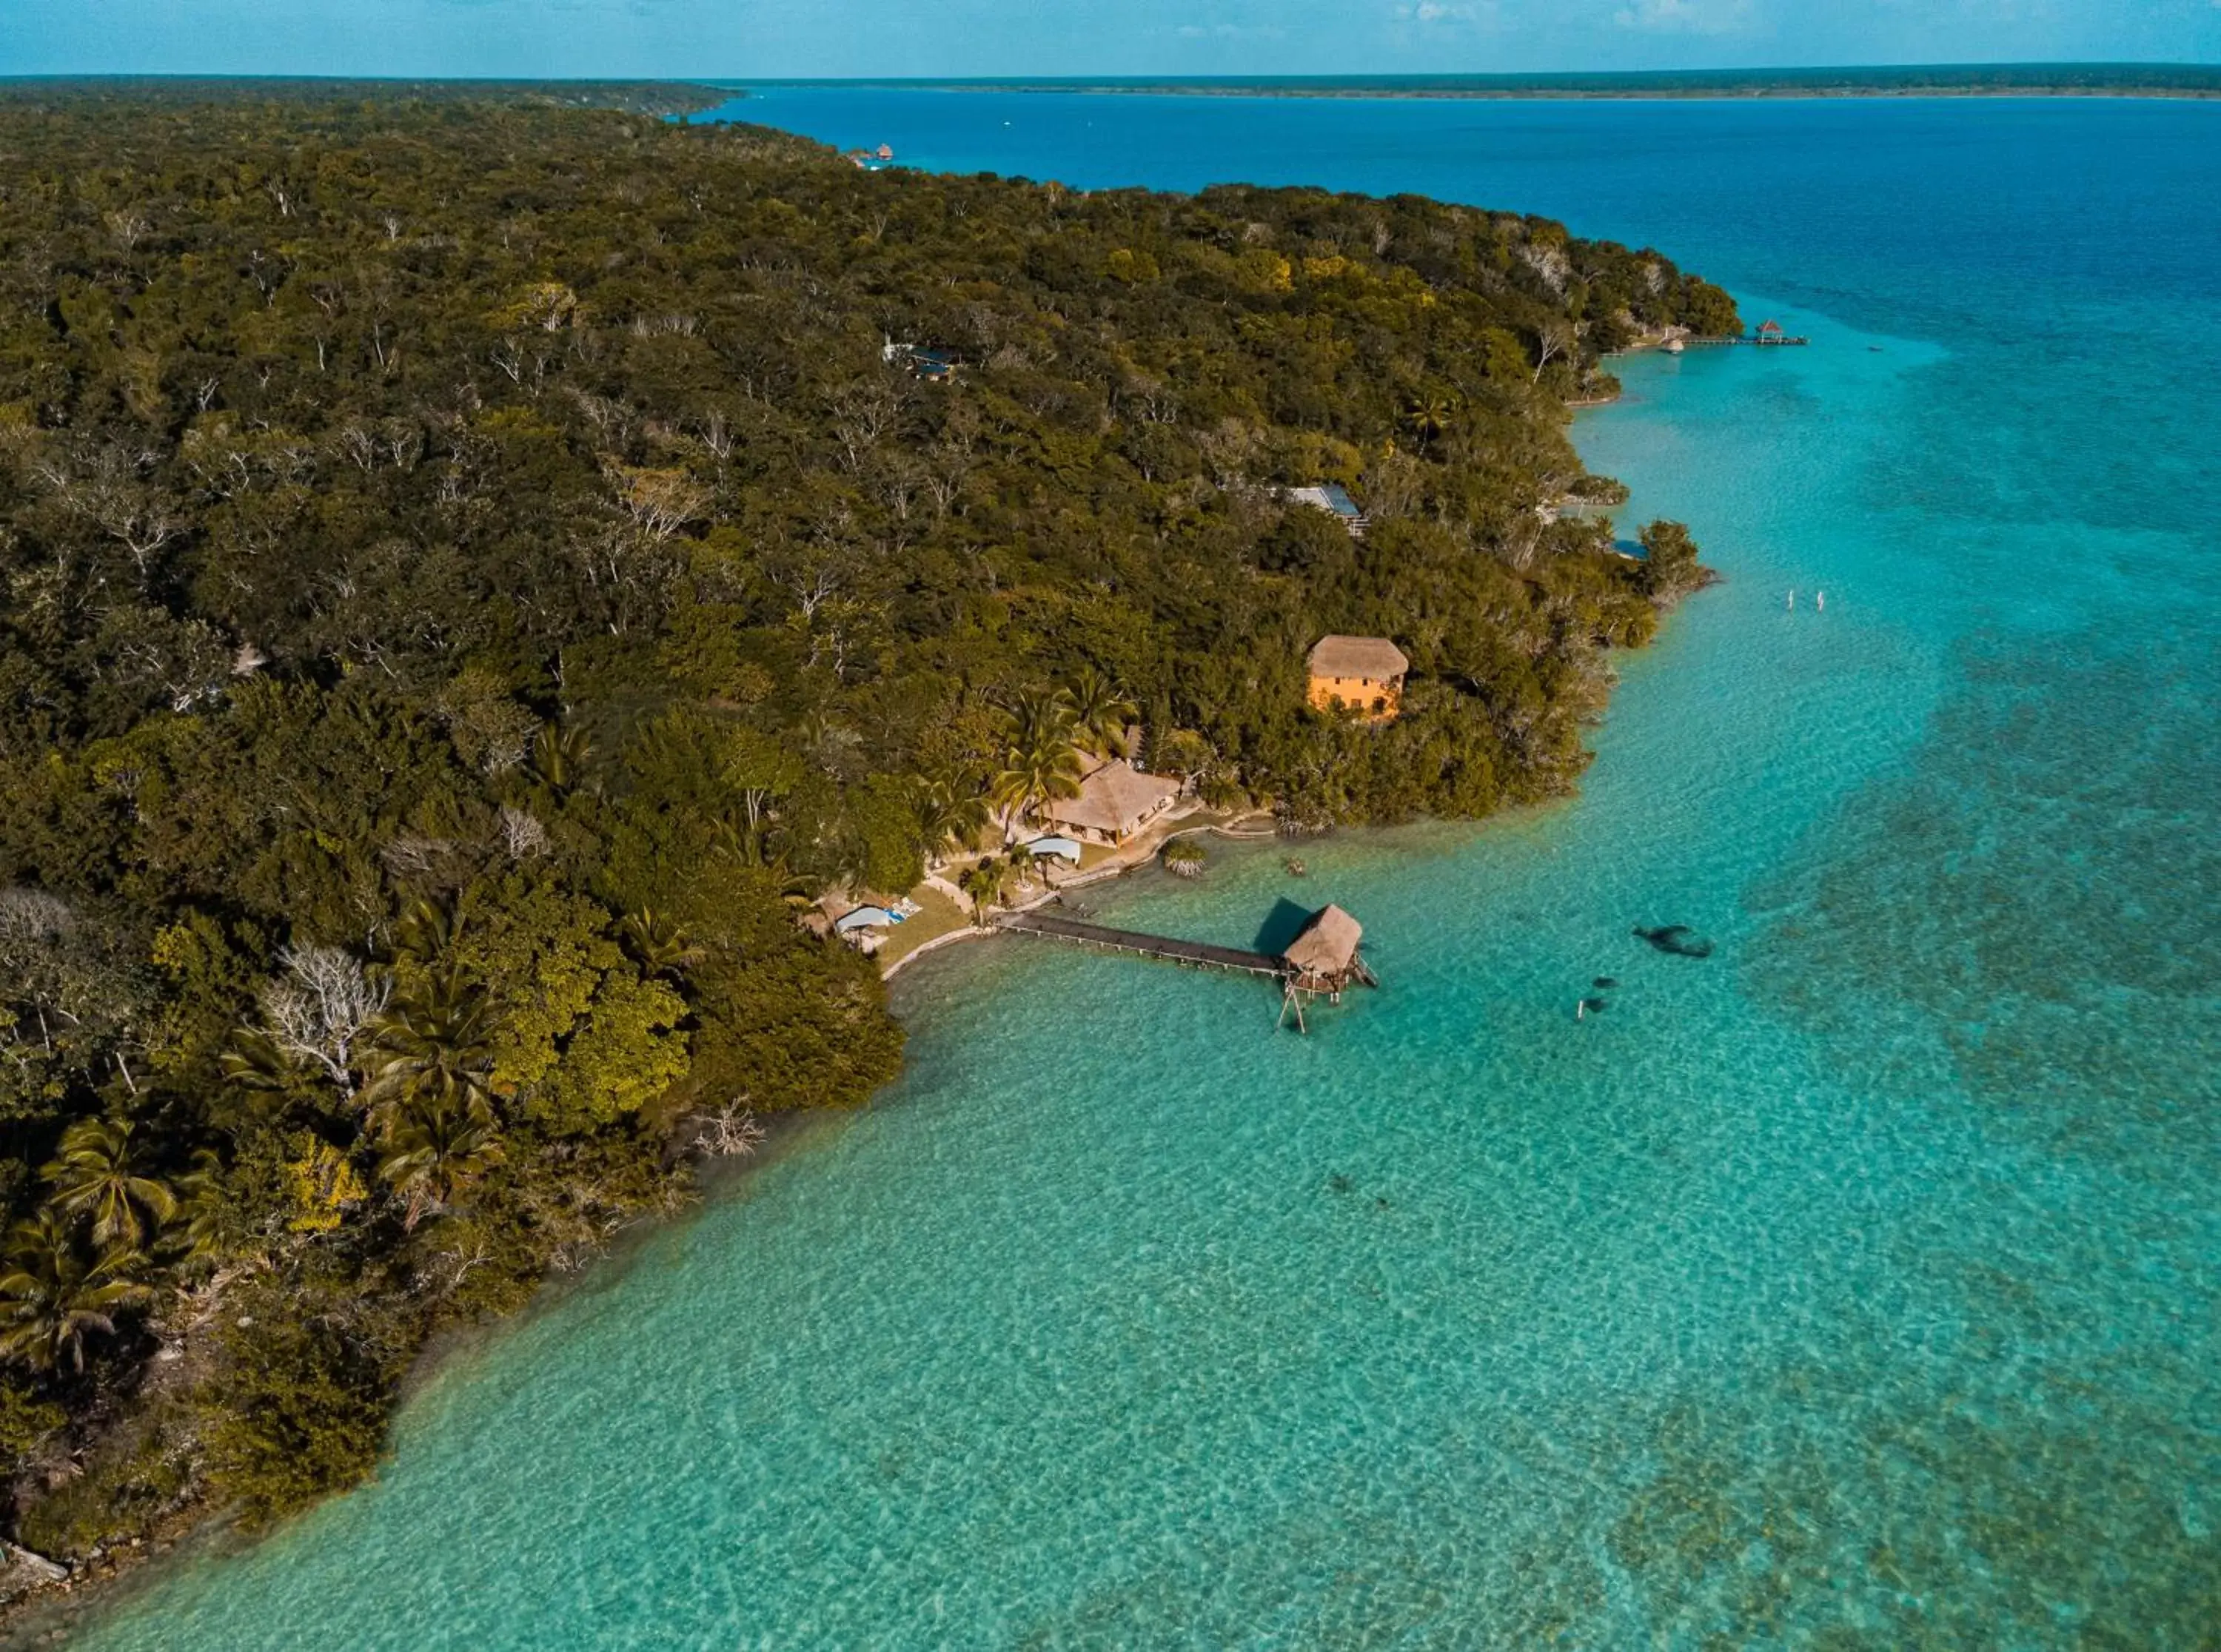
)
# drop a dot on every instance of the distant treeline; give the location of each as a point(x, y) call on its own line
point(155, 91)
point(1992, 79)
point(469, 569)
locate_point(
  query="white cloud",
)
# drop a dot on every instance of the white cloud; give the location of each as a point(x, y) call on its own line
point(1685, 16)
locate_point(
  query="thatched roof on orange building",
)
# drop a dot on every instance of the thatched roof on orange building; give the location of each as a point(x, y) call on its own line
point(1370, 659)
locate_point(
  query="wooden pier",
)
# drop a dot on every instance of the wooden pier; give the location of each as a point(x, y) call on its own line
point(1769, 333)
point(1320, 963)
point(1761, 339)
point(1198, 954)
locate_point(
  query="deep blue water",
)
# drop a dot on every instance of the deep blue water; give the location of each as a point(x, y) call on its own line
point(1854, 1287)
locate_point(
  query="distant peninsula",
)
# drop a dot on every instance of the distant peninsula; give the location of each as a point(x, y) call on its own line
point(1927, 80)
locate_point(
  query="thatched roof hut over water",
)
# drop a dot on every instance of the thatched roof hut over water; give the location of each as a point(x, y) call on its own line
point(1324, 955)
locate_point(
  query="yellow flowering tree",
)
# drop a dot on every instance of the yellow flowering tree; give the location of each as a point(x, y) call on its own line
point(321, 1184)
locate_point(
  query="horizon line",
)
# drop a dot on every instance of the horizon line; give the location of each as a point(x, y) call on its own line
point(1338, 78)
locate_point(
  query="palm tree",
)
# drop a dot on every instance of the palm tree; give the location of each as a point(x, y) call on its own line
point(559, 757)
point(98, 1175)
point(1042, 761)
point(264, 1077)
point(951, 813)
point(435, 1042)
point(1100, 712)
point(657, 941)
point(426, 930)
point(204, 1202)
point(52, 1295)
point(988, 883)
point(436, 1145)
point(1429, 416)
point(1041, 718)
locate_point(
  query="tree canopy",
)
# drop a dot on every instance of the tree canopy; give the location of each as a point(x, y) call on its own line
point(468, 567)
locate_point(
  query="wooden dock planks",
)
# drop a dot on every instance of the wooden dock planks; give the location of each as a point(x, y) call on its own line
point(1199, 953)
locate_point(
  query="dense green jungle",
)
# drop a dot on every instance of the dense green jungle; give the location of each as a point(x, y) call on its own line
point(472, 568)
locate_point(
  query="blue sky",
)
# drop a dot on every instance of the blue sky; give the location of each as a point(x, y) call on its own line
point(765, 38)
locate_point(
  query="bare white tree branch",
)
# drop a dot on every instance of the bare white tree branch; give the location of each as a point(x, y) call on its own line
point(522, 834)
point(729, 1133)
point(318, 1011)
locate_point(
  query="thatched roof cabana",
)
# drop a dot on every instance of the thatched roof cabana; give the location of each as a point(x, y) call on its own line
point(1326, 951)
point(1115, 802)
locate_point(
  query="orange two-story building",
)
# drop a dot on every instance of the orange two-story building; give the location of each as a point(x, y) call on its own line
point(1366, 672)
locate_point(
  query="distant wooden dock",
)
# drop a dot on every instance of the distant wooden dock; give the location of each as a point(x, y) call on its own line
point(1198, 954)
point(1763, 340)
point(1769, 333)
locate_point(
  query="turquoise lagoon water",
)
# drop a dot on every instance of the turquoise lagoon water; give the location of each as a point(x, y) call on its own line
point(1854, 1287)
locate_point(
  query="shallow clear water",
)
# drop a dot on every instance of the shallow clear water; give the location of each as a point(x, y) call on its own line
point(1855, 1286)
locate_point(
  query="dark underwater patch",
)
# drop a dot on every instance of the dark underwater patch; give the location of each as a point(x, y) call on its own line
point(1678, 940)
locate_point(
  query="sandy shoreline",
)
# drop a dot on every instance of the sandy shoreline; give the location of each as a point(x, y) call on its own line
point(1129, 857)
